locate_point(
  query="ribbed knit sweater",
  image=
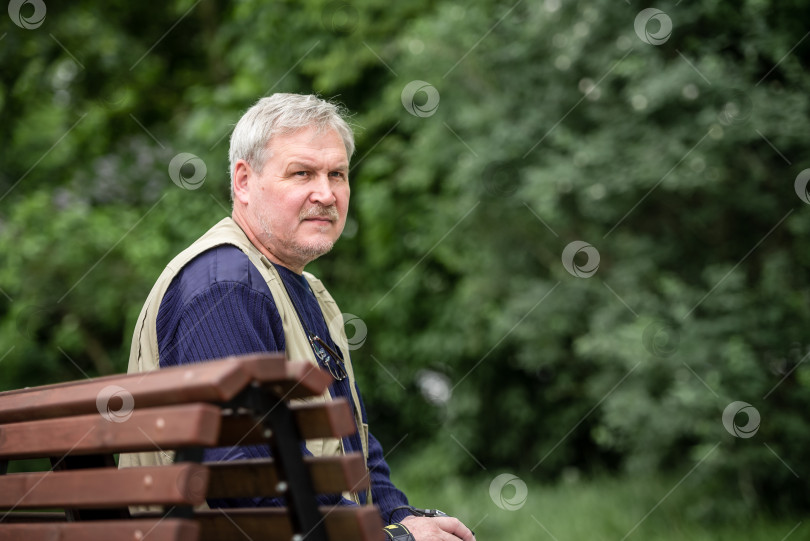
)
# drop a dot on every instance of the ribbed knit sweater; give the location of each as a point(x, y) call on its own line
point(219, 305)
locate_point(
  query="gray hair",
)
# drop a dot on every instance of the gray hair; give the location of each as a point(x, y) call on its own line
point(281, 114)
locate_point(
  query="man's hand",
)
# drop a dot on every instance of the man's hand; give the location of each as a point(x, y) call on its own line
point(437, 529)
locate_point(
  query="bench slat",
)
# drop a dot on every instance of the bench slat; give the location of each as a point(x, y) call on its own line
point(361, 523)
point(101, 488)
point(216, 381)
point(258, 477)
point(171, 485)
point(302, 379)
point(331, 419)
point(151, 529)
point(145, 430)
point(269, 524)
point(207, 382)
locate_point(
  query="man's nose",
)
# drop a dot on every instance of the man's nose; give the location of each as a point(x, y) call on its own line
point(322, 191)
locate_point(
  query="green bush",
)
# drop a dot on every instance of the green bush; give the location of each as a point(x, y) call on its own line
point(556, 123)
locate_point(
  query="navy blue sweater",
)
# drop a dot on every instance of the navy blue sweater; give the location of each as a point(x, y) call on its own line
point(219, 305)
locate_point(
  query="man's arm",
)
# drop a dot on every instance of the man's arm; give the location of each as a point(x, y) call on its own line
point(222, 319)
point(383, 492)
point(388, 497)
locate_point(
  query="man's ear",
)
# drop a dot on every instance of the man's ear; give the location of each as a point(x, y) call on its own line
point(242, 174)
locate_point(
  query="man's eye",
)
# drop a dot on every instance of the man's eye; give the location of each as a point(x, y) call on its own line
point(300, 173)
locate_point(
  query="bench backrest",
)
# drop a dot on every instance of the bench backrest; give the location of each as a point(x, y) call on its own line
point(80, 426)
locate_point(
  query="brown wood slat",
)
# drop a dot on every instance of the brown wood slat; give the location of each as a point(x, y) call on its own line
point(331, 419)
point(342, 524)
point(215, 381)
point(301, 379)
point(32, 516)
point(167, 428)
point(105, 487)
point(338, 474)
point(257, 477)
point(151, 529)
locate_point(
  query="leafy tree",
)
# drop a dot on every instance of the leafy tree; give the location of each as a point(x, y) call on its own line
point(673, 154)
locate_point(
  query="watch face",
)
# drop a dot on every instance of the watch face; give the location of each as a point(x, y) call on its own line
point(398, 532)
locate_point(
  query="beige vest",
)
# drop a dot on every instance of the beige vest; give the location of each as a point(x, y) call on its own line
point(144, 355)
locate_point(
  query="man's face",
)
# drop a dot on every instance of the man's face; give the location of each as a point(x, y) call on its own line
point(299, 200)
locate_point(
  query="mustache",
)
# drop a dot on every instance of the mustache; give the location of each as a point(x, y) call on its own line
point(320, 211)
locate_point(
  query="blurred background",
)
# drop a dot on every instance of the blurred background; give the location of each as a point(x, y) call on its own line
point(575, 289)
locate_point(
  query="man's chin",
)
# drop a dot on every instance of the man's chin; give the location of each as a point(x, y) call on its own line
point(313, 250)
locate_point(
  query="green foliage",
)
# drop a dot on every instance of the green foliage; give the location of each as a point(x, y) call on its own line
point(601, 509)
point(556, 123)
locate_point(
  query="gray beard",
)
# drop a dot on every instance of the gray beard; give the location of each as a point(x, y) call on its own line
point(305, 252)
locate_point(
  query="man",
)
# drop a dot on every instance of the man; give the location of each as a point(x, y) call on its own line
point(241, 287)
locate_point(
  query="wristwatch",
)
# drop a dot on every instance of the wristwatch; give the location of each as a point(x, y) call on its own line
point(398, 532)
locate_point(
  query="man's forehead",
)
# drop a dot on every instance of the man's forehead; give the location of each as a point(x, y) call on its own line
point(339, 164)
point(309, 137)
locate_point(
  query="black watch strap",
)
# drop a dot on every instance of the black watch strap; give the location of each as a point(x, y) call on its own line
point(398, 532)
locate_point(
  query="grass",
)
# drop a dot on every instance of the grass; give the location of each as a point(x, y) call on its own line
point(603, 509)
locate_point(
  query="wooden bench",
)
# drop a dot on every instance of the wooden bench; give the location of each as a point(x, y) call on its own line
point(80, 426)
